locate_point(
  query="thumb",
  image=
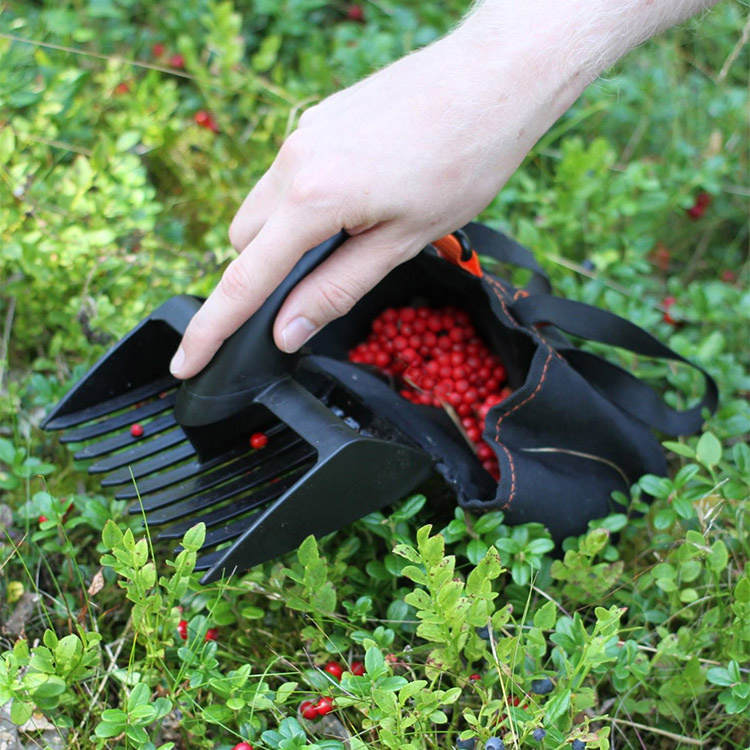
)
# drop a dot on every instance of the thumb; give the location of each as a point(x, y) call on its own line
point(337, 284)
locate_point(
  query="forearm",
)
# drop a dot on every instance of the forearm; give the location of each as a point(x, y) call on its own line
point(557, 47)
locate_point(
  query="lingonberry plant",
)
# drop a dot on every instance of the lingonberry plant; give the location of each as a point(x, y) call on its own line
point(128, 137)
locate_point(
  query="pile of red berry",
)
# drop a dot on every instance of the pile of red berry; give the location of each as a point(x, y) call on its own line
point(440, 361)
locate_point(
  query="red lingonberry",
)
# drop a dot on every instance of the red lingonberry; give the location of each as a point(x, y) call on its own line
point(441, 362)
point(474, 677)
point(158, 49)
point(308, 710)
point(667, 303)
point(324, 706)
point(177, 61)
point(205, 120)
point(728, 276)
point(182, 629)
point(243, 746)
point(357, 668)
point(42, 519)
point(136, 430)
point(258, 440)
point(122, 88)
point(212, 634)
point(334, 669)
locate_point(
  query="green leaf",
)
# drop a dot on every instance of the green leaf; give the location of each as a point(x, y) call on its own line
point(546, 616)
point(374, 662)
point(476, 549)
point(719, 676)
point(20, 711)
point(265, 57)
point(127, 140)
point(708, 450)
point(111, 535)
point(742, 590)
point(410, 508)
point(217, 713)
point(556, 707)
point(194, 537)
point(679, 448)
point(308, 554)
point(284, 691)
point(105, 729)
point(139, 695)
point(7, 147)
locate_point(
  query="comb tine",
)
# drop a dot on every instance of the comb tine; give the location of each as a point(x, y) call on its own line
point(246, 464)
point(227, 512)
point(142, 451)
point(192, 469)
point(124, 419)
point(149, 466)
point(125, 439)
point(112, 405)
point(324, 500)
point(179, 474)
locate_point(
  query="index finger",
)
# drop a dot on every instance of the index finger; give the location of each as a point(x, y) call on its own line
point(247, 282)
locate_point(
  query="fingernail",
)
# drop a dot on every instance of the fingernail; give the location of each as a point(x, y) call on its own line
point(296, 333)
point(177, 362)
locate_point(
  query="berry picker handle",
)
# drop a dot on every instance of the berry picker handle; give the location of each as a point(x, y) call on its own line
point(249, 360)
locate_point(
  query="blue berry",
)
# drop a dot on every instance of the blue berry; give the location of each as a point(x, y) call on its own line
point(469, 744)
point(578, 745)
point(539, 734)
point(494, 743)
point(543, 686)
point(483, 633)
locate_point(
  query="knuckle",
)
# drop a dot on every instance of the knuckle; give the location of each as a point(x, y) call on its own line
point(236, 282)
point(306, 188)
point(337, 298)
point(235, 235)
point(294, 149)
point(308, 117)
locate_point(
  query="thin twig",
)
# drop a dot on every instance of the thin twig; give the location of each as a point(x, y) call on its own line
point(662, 732)
point(139, 64)
point(5, 341)
point(741, 42)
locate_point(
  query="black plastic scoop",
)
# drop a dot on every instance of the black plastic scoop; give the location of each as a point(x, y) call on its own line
point(182, 451)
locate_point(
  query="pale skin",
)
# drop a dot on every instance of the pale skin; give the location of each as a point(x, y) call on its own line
point(410, 154)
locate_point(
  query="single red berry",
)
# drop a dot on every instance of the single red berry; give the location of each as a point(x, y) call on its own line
point(334, 669)
point(42, 519)
point(258, 440)
point(308, 710)
point(243, 746)
point(355, 13)
point(122, 88)
point(357, 668)
point(728, 276)
point(484, 452)
point(474, 677)
point(212, 634)
point(182, 629)
point(136, 430)
point(157, 50)
point(667, 303)
point(177, 61)
point(324, 706)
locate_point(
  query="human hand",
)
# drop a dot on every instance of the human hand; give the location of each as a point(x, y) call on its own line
point(399, 159)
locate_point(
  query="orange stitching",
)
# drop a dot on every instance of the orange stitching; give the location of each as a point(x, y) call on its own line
point(496, 288)
point(500, 421)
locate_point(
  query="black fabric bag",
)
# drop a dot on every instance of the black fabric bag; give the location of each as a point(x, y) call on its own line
point(576, 427)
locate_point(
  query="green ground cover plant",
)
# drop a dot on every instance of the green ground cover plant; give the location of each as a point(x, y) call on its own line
point(129, 134)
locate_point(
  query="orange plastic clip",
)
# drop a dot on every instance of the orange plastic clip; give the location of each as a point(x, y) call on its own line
point(458, 251)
